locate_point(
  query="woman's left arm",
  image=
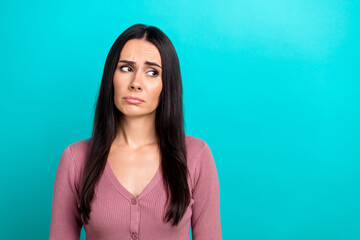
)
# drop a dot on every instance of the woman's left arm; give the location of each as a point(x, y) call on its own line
point(205, 220)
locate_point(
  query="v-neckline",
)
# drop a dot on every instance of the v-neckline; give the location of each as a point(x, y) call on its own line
point(128, 195)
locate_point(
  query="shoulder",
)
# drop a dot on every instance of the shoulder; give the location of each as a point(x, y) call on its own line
point(198, 155)
point(194, 144)
point(79, 151)
point(197, 150)
point(71, 163)
point(194, 147)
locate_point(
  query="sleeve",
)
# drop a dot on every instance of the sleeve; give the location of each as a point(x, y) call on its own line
point(205, 219)
point(65, 217)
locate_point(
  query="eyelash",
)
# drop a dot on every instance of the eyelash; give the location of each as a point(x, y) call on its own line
point(156, 73)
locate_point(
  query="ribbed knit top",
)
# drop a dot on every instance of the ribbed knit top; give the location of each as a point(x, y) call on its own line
point(117, 214)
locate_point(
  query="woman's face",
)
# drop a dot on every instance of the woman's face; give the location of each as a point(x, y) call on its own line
point(138, 74)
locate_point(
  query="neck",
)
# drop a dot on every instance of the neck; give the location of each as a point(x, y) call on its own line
point(135, 132)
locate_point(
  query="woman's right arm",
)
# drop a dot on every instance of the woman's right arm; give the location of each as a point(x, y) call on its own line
point(65, 217)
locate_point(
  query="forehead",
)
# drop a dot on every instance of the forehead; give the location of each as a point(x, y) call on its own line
point(141, 50)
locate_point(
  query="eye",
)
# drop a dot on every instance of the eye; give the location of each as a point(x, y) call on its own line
point(122, 67)
point(155, 73)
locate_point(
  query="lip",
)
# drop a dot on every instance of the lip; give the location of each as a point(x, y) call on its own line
point(135, 100)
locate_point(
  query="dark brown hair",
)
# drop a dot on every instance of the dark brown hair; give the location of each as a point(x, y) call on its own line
point(169, 125)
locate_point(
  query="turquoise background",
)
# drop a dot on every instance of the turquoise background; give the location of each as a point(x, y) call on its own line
point(271, 86)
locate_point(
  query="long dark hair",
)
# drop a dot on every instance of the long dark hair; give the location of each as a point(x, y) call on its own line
point(169, 125)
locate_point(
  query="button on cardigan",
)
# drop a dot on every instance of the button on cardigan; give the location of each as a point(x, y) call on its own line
point(117, 214)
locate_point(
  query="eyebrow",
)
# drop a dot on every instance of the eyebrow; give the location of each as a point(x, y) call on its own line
point(146, 62)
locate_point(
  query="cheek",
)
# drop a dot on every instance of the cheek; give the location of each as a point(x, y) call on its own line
point(117, 89)
point(116, 80)
point(154, 92)
point(158, 89)
point(119, 85)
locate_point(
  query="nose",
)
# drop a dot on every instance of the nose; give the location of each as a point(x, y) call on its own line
point(136, 82)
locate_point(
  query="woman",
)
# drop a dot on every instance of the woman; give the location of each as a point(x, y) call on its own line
point(139, 176)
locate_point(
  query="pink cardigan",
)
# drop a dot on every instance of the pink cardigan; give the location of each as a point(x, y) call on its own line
point(117, 214)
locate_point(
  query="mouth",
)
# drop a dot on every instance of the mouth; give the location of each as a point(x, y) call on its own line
point(133, 100)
